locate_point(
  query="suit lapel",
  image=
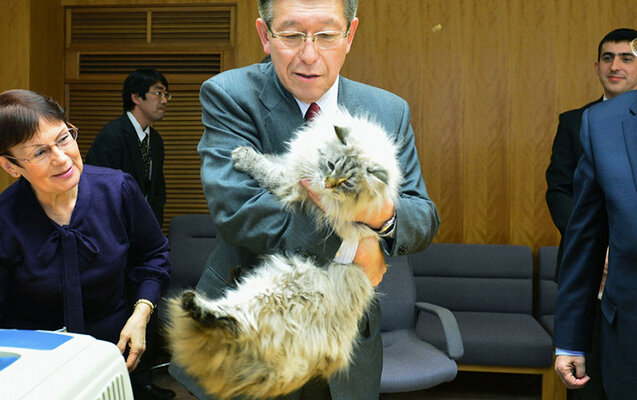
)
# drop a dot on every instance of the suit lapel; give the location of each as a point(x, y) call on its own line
point(346, 98)
point(629, 129)
point(283, 117)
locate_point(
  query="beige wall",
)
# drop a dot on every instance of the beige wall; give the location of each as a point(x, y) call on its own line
point(14, 67)
point(31, 45)
point(14, 45)
point(485, 91)
point(46, 48)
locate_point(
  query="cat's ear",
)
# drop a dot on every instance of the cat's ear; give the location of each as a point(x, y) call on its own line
point(380, 173)
point(342, 133)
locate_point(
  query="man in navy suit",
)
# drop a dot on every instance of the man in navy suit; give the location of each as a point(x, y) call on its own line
point(130, 143)
point(616, 72)
point(604, 217)
point(262, 105)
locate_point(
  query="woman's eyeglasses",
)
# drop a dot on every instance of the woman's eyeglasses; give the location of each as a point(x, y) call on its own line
point(42, 154)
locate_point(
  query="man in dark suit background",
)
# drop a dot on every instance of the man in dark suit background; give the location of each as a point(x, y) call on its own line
point(130, 143)
point(262, 105)
point(617, 70)
point(604, 217)
point(610, 68)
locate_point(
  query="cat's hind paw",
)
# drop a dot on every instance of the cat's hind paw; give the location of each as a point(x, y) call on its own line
point(206, 317)
point(190, 304)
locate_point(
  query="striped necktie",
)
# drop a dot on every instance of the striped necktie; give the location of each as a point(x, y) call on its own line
point(312, 111)
point(145, 150)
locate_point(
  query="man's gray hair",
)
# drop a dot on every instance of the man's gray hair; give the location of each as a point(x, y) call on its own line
point(265, 9)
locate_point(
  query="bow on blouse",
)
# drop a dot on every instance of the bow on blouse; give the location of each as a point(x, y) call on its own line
point(73, 242)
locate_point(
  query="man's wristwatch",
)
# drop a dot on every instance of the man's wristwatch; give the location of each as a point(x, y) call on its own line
point(388, 227)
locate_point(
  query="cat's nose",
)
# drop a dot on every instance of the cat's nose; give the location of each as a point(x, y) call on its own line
point(330, 183)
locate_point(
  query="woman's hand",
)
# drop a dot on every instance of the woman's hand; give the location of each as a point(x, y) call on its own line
point(133, 335)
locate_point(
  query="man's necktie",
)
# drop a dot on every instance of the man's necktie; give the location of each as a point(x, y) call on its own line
point(312, 112)
point(145, 149)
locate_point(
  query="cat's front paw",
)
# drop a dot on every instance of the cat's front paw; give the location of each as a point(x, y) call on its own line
point(243, 157)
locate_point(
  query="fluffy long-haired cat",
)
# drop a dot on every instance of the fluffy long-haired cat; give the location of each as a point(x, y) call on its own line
point(289, 320)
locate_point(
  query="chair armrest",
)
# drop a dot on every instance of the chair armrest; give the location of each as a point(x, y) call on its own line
point(455, 349)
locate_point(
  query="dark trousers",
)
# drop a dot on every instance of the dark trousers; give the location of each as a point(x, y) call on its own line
point(316, 389)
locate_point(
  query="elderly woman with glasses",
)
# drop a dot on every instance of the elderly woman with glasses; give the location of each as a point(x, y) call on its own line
point(80, 248)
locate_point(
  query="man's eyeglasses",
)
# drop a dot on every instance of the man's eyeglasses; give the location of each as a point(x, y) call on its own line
point(293, 40)
point(165, 95)
point(42, 154)
point(633, 46)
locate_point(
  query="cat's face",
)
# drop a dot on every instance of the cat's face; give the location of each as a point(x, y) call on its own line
point(345, 172)
point(340, 170)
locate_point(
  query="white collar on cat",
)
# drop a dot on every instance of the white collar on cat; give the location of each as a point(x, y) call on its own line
point(328, 102)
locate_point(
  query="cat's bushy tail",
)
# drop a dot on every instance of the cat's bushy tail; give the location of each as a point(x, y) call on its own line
point(285, 323)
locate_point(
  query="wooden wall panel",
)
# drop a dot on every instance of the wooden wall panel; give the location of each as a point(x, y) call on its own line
point(14, 47)
point(187, 44)
point(14, 44)
point(486, 197)
point(248, 46)
point(485, 92)
point(47, 48)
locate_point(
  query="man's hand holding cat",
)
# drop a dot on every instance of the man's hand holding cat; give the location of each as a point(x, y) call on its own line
point(316, 198)
point(371, 258)
point(374, 220)
point(369, 254)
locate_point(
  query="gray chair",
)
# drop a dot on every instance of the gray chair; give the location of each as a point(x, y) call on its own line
point(409, 363)
point(489, 289)
point(547, 287)
point(191, 238)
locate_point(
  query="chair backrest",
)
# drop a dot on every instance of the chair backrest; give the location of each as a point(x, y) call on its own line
point(397, 296)
point(475, 277)
point(547, 287)
point(191, 238)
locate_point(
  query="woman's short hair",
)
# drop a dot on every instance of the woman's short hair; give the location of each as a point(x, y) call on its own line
point(20, 114)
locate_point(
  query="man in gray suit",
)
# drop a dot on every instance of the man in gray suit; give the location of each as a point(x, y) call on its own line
point(262, 105)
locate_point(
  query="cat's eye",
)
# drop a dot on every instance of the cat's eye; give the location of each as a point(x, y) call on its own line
point(330, 165)
point(349, 185)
